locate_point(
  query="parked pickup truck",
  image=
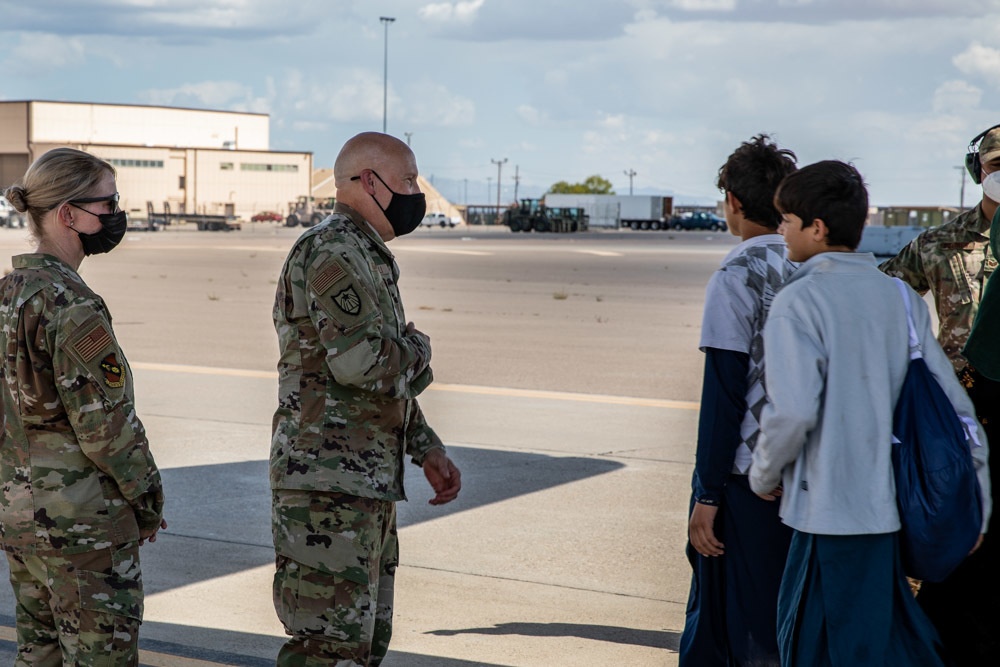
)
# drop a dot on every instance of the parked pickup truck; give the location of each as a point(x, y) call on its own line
point(698, 220)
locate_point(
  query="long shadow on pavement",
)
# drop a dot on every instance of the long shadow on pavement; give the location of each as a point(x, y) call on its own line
point(219, 515)
point(153, 652)
point(219, 518)
point(604, 633)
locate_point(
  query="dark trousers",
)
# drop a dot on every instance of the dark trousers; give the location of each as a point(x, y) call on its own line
point(732, 606)
point(965, 607)
point(844, 602)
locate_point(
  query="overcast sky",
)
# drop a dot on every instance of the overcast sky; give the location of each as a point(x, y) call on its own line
point(561, 88)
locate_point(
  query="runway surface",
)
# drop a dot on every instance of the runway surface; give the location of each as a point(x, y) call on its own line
point(567, 380)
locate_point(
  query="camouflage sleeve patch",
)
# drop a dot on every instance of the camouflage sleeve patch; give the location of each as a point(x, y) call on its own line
point(341, 294)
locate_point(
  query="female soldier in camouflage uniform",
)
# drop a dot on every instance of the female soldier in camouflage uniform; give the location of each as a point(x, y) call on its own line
point(80, 491)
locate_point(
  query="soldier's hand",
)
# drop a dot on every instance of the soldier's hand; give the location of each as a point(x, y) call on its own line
point(701, 530)
point(150, 533)
point(443, 476)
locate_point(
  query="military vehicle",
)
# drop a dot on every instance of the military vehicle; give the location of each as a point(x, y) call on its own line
point(533, 215)
point(307, 212)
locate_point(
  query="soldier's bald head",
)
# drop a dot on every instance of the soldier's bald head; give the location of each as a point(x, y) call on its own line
point(368, 150)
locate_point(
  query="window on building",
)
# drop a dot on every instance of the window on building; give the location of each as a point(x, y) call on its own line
point(257, 166)
point(142, 164)
point(226, 166)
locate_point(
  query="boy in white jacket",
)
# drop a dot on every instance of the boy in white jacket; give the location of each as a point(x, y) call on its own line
point(836, 353)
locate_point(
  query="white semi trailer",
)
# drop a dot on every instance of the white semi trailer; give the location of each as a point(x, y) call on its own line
point(617, 211)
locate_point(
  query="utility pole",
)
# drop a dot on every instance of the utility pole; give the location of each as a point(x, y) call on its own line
point(631, 174)
point(408, 135)
point(386, 20)
point(499, 164)
point(517, 181)
point(961, 194)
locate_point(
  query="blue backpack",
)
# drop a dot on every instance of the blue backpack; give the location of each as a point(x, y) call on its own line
point(936, 487)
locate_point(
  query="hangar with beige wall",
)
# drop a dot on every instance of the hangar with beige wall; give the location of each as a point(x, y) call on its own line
point(194, 160)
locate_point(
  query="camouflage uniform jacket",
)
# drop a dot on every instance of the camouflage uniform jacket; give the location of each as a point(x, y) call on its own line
point(75, 466)
point(953, 261)
point(349, 371)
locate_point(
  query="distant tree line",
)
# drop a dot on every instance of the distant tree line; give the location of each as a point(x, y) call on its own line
point(593, 185)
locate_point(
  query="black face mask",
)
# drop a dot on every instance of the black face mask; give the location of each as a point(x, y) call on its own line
point(113, 226)
point(404, 212)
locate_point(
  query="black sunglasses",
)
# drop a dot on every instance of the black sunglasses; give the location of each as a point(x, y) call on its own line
point(111, 199)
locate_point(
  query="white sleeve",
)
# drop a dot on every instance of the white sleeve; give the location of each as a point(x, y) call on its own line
point(730, 312)
point(796, 376)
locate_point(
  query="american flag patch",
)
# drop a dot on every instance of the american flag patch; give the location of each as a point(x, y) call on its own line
point(90, 345)
point(328, 278)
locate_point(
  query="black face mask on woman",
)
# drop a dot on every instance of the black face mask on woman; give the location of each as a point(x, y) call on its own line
point(404, 212)
point(113, 226)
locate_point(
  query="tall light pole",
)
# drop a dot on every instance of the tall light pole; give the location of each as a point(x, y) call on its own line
point(408, 135)
point(499, 164)
point(961, 193)
point(631, 174)
point(386, 20)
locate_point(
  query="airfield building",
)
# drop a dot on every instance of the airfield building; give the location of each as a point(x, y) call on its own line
point(193, 160)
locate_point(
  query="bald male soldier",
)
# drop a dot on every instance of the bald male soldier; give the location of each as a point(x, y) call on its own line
point(350, 370)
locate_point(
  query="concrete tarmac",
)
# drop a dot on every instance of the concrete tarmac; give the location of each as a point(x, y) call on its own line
point(567, 379)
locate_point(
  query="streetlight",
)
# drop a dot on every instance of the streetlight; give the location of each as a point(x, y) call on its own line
point(386, 20)
point(499, 164)
point(631, 174)
point(961, 193)
point(408, 135)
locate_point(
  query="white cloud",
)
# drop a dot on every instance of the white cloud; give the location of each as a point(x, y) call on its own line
point(531, 115)
point(448, 12)
point(741, 95)
point(213, 94)
point(981, 61)
point(823, 11)
point(35, 55)
point(704, 5)
point(613, 121)
point(956, 97)
point(309, 126)
point(433, 104)
point(184, 20)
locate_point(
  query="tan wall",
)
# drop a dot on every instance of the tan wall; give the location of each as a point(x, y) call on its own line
point(66, 122)
point(155, 175)
point(252, 181)
point(14, 127)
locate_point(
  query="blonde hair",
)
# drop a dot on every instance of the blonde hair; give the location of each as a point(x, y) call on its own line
point(58, 176)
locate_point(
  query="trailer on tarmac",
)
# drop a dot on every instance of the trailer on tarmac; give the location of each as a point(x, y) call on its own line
point(619, 211)
point(204, 221)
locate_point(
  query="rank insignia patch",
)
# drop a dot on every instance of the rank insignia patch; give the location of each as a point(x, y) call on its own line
point(348, 300)
point(114, 373)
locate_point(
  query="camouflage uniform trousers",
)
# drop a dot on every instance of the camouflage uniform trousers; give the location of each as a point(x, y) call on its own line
point(335, 571)
point(79, 609)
